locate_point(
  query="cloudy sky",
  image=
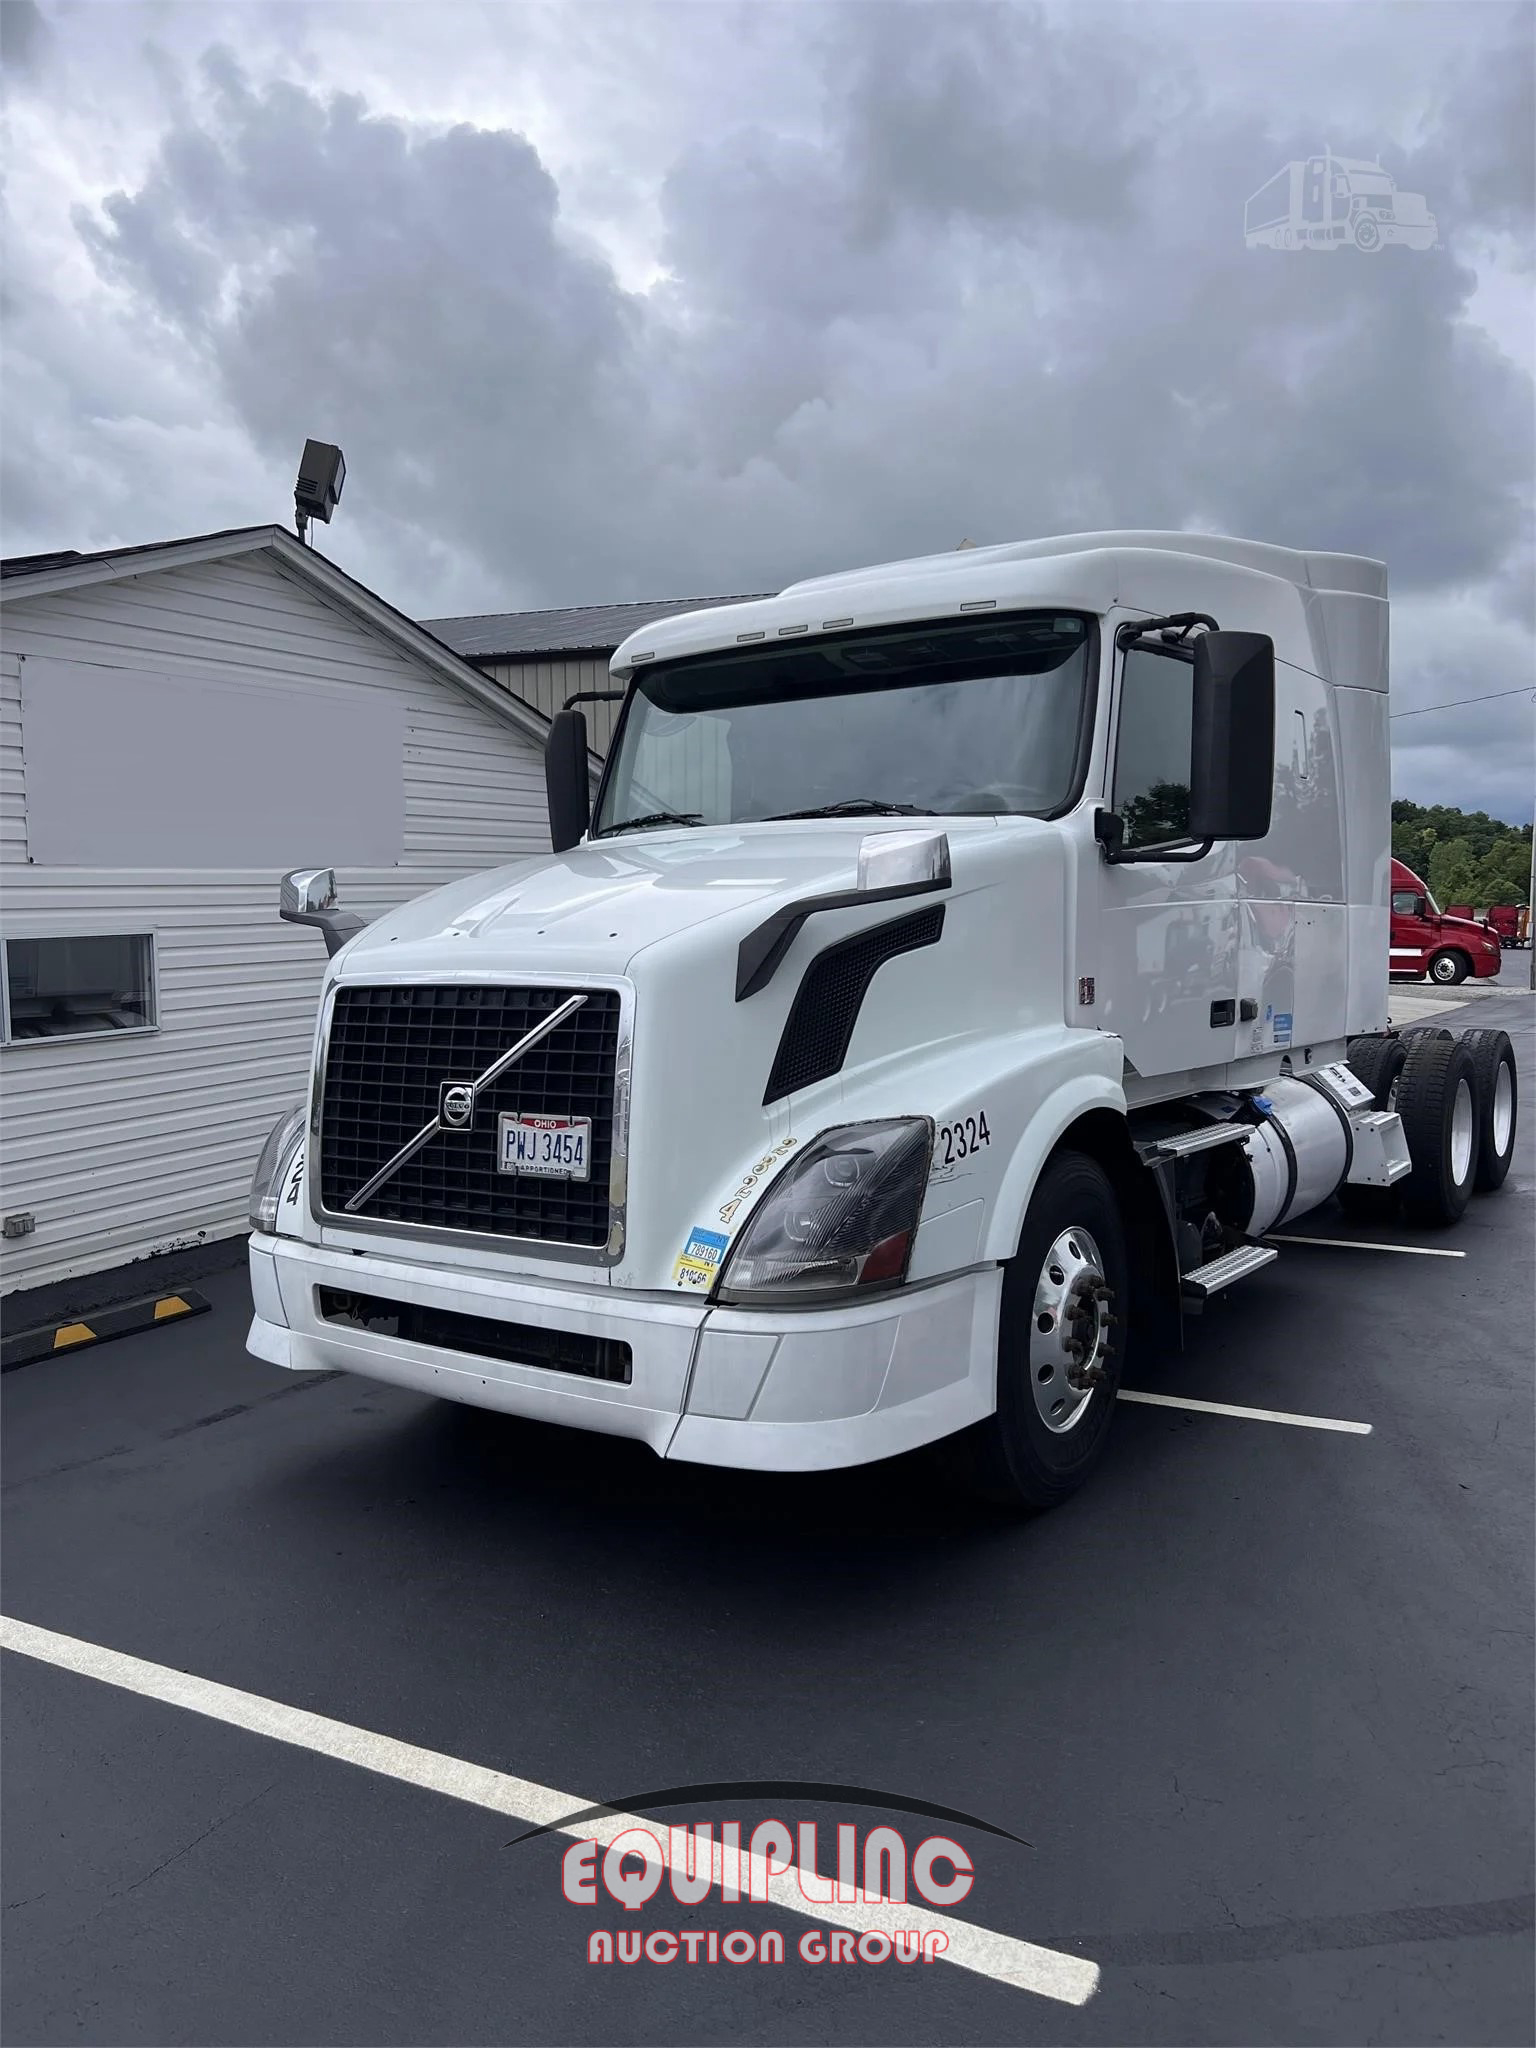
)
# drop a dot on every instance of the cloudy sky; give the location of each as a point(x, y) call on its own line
point(610, 301)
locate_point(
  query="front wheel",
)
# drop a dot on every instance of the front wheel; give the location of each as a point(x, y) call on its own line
point(1449, 967)
point(1065, 1307)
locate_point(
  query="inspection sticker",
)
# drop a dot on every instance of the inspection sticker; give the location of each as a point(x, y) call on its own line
point(700, 1259)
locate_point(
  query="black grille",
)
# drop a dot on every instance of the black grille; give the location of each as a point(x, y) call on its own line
point(390, 1051)
point(589, 1358)
point(827, 1002)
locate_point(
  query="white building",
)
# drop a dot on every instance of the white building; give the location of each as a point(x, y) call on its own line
point(179, 724)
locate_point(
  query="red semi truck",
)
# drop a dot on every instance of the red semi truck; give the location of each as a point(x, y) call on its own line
point(1427, 940)
point(1511, 922)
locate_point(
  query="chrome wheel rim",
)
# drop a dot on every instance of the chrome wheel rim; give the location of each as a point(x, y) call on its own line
point(1462, 1128)
point(1443, 970)
point(1503, 1109)
point(1069, 1331)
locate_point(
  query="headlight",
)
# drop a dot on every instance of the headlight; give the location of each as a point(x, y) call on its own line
point(277, 1156)
point(839, 1217)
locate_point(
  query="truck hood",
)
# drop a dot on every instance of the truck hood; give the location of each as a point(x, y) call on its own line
point(663, 914)
point(597, 907)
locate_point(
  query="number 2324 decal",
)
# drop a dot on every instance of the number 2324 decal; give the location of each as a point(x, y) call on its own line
point(957, 1141)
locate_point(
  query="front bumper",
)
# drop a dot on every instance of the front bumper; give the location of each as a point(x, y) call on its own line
point(773, 1391)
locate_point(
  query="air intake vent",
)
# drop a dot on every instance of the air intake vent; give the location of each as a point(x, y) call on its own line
point(828, 1000)
point(589, 1358)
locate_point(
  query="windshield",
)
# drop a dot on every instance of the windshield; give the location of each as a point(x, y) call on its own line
point(963, 716)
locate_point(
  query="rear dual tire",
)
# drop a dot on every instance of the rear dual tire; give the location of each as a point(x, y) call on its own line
point(1459, 1101)
point(1378, 1062)
point(1497, 1091)
point(1437, 1101)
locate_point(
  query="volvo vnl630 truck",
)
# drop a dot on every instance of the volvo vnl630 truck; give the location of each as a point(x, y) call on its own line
point(964, 969)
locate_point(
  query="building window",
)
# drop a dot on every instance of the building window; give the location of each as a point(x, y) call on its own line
point(79, 987)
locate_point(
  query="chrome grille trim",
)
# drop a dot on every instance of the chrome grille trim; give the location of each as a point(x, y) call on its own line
point(335, 1225)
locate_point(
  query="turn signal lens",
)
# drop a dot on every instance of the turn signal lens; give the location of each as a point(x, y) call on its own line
point(277, 1156)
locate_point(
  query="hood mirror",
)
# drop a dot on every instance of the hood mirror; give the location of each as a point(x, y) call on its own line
point(902, 860)
point(890, 864)
point(308, 896)
point(305, 892)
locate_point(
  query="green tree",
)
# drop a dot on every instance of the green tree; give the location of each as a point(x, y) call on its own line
point(1161, 814)
point(1450, 871)
point(1504, 874)
point(1465, 856)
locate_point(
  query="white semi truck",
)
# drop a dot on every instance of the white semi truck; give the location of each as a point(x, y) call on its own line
point(965, 968)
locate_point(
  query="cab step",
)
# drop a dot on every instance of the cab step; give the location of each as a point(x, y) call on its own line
point(1205, 1139)
point(1204, 1281)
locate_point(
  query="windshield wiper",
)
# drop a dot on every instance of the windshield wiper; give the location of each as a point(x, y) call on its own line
point(652, 818)
point(856, 807)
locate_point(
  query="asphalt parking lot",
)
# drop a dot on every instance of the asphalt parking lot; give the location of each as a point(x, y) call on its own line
point(1408, 1000)
point(1257, 1704)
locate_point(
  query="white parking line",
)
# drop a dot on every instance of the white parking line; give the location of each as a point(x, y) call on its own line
point(1049, 1973)
point(1247, 1414)
point(1350, 1244)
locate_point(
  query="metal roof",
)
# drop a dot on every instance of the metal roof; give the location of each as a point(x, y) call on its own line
point(577, 629)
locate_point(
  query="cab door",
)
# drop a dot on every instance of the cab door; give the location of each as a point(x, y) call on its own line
point(1413, 932)
point(1168, 926)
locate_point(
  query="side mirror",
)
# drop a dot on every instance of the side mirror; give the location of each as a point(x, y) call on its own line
point(308, 896)
point(1421, 906)
point(567, 779)
point(1232, 763)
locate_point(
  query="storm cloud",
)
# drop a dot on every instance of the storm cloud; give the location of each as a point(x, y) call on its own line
point(608, 304)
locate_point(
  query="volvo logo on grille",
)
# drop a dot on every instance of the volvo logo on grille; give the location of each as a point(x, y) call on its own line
point(456, 1101)
point(458, 1104)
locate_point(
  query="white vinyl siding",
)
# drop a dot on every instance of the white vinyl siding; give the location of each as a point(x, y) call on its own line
point(124, 1149)
point(13, 781)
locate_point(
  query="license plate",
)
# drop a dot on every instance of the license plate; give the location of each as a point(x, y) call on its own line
point(558, 1147)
